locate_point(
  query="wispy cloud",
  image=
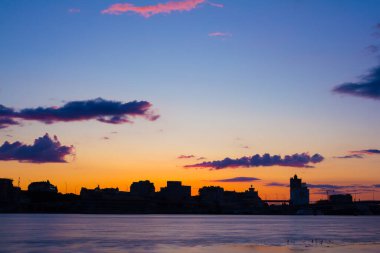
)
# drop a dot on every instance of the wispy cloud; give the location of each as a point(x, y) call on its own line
point(7, 122)
point(185, 157)
point(106, 111)
point(354, 156)
point(44, 150)
point(367, 152)
point(276, 184)
point(303, 160)
point(220, 34)
point(150, 10)
point(218, 5)
point(236, 180)
point(74, 10)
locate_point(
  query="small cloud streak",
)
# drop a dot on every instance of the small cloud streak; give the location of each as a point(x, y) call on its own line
point(220, 34)
point(367, 152)
point(368, 86)
point(74, 10)
point(185, 157)
point(216, 5)
point(354, 156)
point(275, 184)
point(44, 150)
point(150, 10)
point(7, 122)
point(303, 160)
point(236, 180)
point(106, 111)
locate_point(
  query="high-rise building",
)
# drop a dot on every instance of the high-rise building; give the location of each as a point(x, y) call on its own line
point(299, 193)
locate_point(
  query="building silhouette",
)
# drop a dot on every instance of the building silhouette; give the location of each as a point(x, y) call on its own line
point(143, 188)
point(299, 193)
point(42, 187)
point(175, 192)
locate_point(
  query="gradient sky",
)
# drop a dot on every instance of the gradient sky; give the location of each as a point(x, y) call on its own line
point(229, 78)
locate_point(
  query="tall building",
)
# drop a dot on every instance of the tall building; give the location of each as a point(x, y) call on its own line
point(6, 189)
point(299, 193)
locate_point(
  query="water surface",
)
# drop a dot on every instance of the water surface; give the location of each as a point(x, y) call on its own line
point(183, 233)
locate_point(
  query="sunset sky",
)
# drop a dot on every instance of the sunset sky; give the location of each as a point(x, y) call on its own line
point(166, 90)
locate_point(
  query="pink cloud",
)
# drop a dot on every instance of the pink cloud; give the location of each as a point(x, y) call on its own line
point(150, 10)
point(74, 10)
point(219, 34)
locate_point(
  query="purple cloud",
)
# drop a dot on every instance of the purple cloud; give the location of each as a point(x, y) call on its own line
point(236, 180)
point(297, 160)
point(357, 156)
point(43, 150)
point(275, 184)
point(6, 122)
point(367, 152)
point(106, 111)
point(368, 86)
point(185, 156)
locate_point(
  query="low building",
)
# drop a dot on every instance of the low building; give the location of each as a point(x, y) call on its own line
point(143, 188)
point(340, 198)
point(175, 191)
point(42, 187)
point(211, 195)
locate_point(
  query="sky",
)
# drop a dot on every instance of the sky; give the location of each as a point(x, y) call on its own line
point(107, 92)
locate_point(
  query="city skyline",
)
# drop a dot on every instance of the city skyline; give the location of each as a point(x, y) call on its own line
point(225, 93)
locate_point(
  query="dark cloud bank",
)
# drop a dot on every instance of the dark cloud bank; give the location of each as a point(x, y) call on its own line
point(303, 160)
point(106, 111)
point(44, 150)
point(368, 85)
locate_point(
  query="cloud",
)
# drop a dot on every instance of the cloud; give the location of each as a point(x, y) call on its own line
point(201, 158)
point(150, 10)
point(376, 185)
point(74, 10)
point(368, 86)
point(220, 34)
point(106, 111)
point(373, 49)
point(297, 160)
point(236, 180)
point(357, 156)
point(328, 186)
point(275, 184)
point(6, 122)
point(367, 152)
point(185, 156)
point(216, 4)
point(44, 150)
